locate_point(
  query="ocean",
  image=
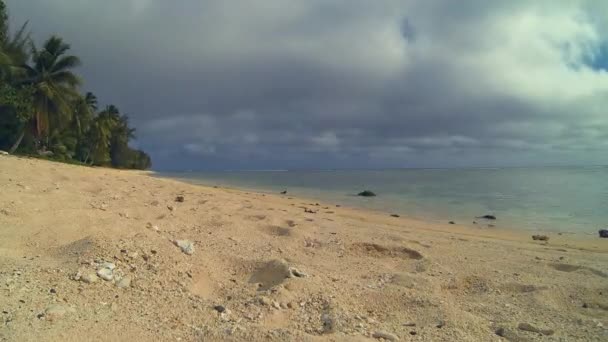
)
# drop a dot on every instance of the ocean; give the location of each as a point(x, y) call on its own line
point(560, 199)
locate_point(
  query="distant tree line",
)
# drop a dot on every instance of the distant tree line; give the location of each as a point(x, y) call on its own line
point(43, 112)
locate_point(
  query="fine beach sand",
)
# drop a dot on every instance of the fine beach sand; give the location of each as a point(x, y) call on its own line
point(279, 273)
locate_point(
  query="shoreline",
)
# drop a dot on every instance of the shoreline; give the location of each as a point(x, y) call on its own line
point(588, 241)
point(190, 262)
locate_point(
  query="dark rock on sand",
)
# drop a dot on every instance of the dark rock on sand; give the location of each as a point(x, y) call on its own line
point(395, 215)
point(540, 238)
point(452, 222)
point(180, 199)
point(219, 308)
point(603, 233)
point(284, 192)
point(366, 193)
point(488, 217)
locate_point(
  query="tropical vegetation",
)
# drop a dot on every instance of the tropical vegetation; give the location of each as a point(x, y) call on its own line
point(44, 113)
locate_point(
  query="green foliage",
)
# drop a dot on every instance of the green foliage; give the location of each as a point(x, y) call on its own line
point(3, 22)
point(41, 108)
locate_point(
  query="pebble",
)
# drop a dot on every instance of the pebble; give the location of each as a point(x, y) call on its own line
point(540, 238)
point(88, 278)
point(55, 311)
point(186, 246)
point(219, 308)
point(109, 266)
point(530, 328)
point(328, 323)
point(296, 273)
point(385, 335)
point(264, 301)
point(124, 283)
point(132, 255)
point(105, 274)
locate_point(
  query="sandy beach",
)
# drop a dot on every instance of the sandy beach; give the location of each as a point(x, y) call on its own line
point(192, 263)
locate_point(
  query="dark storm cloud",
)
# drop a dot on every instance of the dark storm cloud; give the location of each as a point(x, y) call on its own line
point(284, 84)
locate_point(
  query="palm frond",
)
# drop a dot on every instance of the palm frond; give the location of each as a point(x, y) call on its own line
point(65, 63)
point(66, 77)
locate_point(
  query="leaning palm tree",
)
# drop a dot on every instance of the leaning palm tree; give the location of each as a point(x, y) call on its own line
point(54, 85)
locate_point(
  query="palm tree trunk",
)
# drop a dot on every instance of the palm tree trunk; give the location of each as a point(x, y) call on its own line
point(18, 142)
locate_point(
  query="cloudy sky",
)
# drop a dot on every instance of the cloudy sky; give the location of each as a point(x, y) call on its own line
point(222, 84)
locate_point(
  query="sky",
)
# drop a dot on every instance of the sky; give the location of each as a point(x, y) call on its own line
point(323, 84)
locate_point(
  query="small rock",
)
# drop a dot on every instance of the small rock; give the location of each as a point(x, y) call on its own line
point(105, 274)
point(53, 291)
point(264, 301)
point(3, 153)
point(296, 273)
point(395, 215)
point(109, 266)
point(328, 323)
point(385, 335)
point(488, 217)
point(603, 233)
point(55, 312)
point(88, 278)
point(132, 255)
point(276, 305)
point(186, 246)
point(366, 193)
point(452, 222)
point(530, 328)
point(284, 192)
point(219, 308)
point(180, 199)
point(540, 238)
point(124, 283)
point(170, 207)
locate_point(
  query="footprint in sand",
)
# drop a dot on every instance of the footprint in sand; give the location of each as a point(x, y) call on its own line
point(379, 251)
point(571, 268)
point(271, 274)
point(256, 217)
point(277, 231)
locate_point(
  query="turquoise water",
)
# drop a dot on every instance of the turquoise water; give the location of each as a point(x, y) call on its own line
point(565, 199)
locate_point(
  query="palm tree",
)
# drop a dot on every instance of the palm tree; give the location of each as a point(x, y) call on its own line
point(15, 99)
point(13, 53)
point(54, 84)
point(84, 111)
point(100, 138)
